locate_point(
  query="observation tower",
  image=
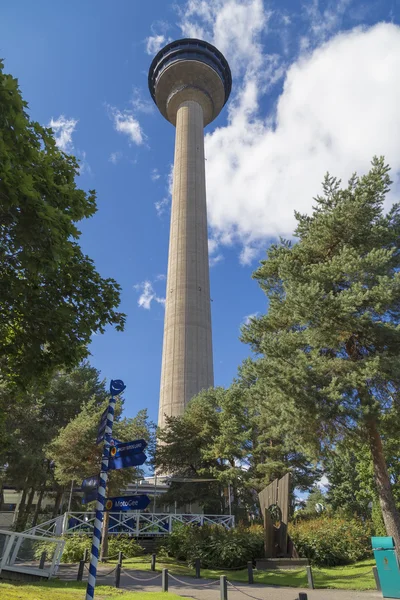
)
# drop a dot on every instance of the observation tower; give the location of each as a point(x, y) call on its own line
point(190, 82)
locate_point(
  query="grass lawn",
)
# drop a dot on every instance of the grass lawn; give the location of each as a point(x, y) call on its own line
point(351, 577)
point(72, 590)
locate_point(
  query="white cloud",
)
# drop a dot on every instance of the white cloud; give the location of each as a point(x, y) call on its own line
point(234, 26)
point(214, 260)
point(155, 175)
point(115, 157)
point(161, 277)
point(147, 295)
point(154, 43)
point(161, 206)
point(63, 129)
point(214, 256)
point(333, 114)
point(141, 104)
point(323, 21)
point(125, 122)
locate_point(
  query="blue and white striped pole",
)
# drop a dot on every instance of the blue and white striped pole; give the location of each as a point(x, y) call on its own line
point(116, 387)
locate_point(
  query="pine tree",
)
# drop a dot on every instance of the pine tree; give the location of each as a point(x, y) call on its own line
point(329, 345)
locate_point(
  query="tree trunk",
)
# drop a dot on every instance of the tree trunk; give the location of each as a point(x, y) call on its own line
point(38, 507)
point(57, 503)
point(25, 514)
point(104, 537)
point(390, 513)
point(21, 508)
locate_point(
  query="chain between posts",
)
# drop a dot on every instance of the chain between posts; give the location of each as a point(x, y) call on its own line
point(104, 574)
point(140, 578)
point(242, 592)
point(193, 584)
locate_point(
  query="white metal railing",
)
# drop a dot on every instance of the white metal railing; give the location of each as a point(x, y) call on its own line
point(19, 553)
point(133, 523)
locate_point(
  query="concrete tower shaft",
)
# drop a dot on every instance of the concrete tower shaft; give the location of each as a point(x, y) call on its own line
point(190, 82)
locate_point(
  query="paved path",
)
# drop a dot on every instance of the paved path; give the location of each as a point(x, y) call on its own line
point(208, 589)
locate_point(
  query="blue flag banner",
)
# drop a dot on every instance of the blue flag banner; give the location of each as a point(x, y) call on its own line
point(126, 460)
point(127, 503)
point(134, 447)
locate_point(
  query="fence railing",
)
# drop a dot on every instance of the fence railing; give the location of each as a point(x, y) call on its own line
point(21, 552)
point(132, 523)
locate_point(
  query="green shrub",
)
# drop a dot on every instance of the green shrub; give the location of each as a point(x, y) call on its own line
point(125, 544)
point(331, 541)
point(75, 546)
point(216, 546)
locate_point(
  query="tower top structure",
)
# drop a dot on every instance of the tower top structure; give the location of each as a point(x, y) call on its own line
point(190, 69)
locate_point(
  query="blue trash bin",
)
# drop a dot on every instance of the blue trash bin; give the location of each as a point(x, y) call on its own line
point(387, 565)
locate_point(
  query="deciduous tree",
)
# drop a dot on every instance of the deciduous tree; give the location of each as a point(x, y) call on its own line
point(51, 297)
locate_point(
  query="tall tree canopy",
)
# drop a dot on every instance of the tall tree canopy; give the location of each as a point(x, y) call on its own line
point(235, 437)
point(51, 296)
point(34, 420)
point(329, 345)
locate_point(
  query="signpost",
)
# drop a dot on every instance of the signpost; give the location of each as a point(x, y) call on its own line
point(116, 455)
point(116, 387)
point(127, 503)
point(102, 427)
point(126, 460)
point(134, 447)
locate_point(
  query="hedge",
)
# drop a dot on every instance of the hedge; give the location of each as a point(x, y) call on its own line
point(331, 541)
point(216, 546)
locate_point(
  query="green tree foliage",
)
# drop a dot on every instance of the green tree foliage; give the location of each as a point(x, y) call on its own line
point(315, 504)
point(329, 346)
point(51, 297)
point(351, 480)
point(76, 454)
point(234, 437)
point(34, 420)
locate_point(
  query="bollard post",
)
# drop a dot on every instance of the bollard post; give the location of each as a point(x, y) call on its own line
point(250, 572)
point(153, 562)
point(118, 575)
point(43, 557)
point(164, 580)
point(80, 570)
point(303, 596)
point(223, 588)
point(85, 555)
point(120, 555)
point(376, 577)
point(197, 567)
point(310, 578)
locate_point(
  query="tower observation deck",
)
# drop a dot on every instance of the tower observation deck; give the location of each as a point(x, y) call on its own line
point(190, 82)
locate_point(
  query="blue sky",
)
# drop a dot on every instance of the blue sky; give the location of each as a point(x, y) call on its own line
point(316, 87)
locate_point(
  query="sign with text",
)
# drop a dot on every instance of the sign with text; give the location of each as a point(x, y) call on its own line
point(126, 460)
point(127, 503)
point(121, 448)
